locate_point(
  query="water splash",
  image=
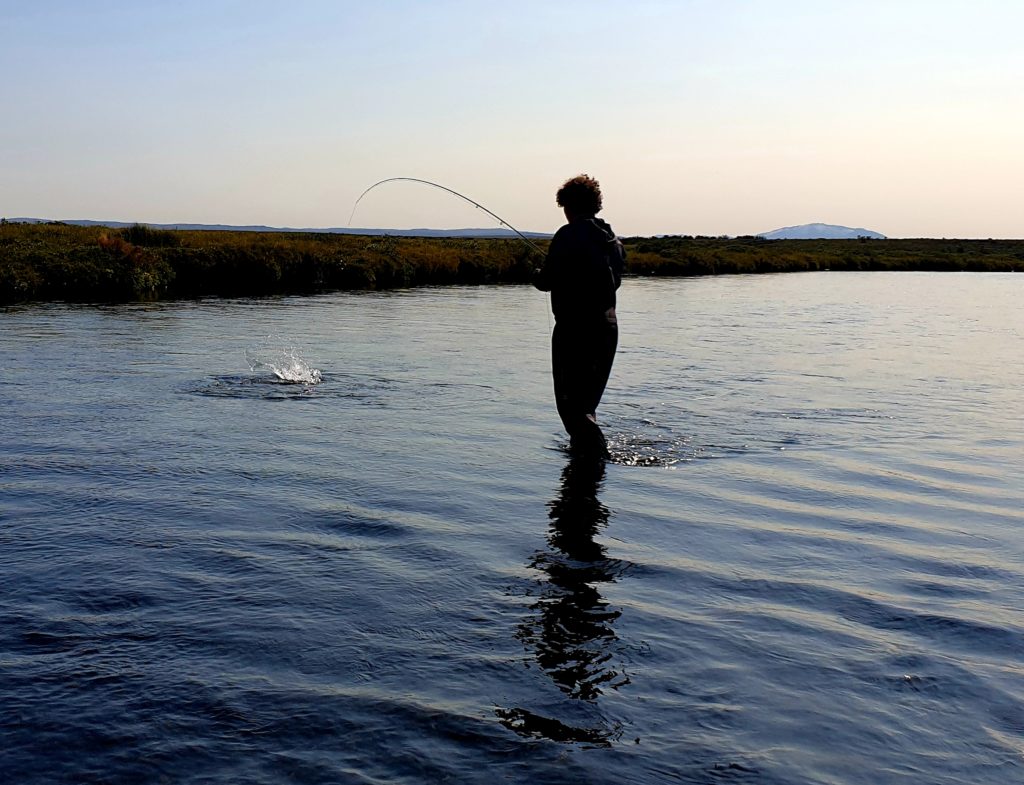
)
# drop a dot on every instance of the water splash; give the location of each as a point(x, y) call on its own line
point(640, 441)
point(631, 449)
point(284, 361)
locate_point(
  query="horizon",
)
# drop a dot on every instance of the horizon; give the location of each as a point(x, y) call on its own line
point(698, 118)
point(498, 230)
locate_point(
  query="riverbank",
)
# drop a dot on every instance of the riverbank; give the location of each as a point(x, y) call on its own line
point(85, 264)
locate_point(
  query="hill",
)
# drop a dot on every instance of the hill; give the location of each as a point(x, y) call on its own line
point(820, 232)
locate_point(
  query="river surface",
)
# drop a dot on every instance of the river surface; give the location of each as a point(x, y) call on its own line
point(804, 564)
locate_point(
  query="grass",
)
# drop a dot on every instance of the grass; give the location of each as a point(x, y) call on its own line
point(715, 256)
point(92, 264)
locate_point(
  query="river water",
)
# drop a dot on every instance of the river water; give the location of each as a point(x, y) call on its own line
point(805, 563)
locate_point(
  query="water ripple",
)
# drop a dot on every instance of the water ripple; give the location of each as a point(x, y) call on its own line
point(802, 563)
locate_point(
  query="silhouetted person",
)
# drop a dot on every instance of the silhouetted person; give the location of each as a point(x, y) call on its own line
point(582, 271)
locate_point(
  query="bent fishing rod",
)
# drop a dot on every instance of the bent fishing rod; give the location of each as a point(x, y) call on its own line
point(465, 198)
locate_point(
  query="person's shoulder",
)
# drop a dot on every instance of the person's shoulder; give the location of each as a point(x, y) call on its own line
point(563, 238)
point(564, 231)
point(573, 232)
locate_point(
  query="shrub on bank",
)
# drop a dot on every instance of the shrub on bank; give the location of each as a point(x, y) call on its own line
point(146, 236)
point(62, 262)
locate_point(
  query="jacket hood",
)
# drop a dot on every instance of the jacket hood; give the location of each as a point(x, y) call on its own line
point(601, 226)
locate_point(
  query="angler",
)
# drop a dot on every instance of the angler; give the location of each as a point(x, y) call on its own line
point(583, 270)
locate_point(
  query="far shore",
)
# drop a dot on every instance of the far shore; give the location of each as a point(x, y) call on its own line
point(61, 262)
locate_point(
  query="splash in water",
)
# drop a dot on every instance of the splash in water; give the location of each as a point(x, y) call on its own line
point(284, 361)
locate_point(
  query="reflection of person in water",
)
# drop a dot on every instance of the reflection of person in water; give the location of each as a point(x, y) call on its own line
point(574, 622)
point(582, 271)
point(570, 630)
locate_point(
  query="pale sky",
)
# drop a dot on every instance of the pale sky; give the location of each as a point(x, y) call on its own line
point(697, 116)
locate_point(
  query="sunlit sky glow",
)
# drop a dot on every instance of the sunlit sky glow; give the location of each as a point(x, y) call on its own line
point(698, 117)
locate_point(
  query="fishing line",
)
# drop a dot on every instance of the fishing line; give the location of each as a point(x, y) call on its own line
point(453, 192)
point(533, 246)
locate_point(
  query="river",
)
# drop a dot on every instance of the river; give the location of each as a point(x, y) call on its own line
point(804, 564)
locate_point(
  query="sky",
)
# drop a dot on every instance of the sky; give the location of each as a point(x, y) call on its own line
point(712, 117)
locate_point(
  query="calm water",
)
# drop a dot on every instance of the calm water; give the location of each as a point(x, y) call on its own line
point(805, 565)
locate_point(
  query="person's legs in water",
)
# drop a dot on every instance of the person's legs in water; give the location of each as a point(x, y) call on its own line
point(581, 362)
point(601, 355)
point(603, 342)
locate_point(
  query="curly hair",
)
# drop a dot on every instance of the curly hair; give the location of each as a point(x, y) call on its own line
point(581, 194)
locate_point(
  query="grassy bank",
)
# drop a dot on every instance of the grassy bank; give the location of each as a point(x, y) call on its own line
point(62, 262)
point(717, 256)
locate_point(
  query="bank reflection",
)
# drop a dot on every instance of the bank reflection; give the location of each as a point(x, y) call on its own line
point(569, 630)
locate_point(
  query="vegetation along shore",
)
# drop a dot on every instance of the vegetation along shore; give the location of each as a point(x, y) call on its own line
point(54, 261)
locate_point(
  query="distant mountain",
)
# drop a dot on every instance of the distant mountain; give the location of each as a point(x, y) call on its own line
point(820, 232)
point(496, 232)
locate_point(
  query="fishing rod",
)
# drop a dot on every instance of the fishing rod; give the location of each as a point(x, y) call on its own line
point(465, 198)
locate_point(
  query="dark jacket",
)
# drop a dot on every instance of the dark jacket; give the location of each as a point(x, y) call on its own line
point(582, 271)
